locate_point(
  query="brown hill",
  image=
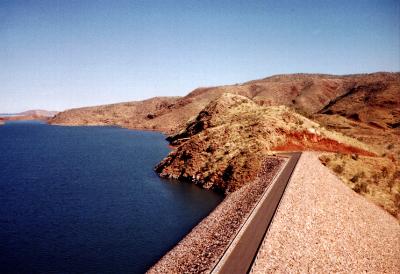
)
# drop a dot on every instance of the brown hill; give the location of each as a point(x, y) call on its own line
point(152, 114)
point(308, 93)
point(223, 147)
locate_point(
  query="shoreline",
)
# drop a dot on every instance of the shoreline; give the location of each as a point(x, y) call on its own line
point(163, 131)
point(202, 247)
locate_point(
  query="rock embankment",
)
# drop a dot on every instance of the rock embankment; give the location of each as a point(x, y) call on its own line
point(201, 249)
point(322, 226)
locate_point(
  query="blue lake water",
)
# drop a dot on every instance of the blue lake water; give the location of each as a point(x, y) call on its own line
point(86, 200)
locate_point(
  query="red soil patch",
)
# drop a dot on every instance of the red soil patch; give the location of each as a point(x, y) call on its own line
point(302, 141)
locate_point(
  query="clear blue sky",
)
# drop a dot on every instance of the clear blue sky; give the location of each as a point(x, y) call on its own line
point(63, 54)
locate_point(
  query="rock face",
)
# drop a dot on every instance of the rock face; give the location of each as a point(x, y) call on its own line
point(222, 148)
point(307, 93)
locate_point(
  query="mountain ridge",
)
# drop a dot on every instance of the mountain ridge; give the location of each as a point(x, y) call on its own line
point(307, 93)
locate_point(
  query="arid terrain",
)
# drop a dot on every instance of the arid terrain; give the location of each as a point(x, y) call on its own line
point(307, 93)
point(221, 133)
point(223, 146)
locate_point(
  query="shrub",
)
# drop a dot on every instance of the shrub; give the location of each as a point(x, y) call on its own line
point(356, 177)
point(361, 187)
point(338, 169)
point(385, 172)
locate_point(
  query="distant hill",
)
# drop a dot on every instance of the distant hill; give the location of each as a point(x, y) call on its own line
point(28, 115)
point(38, 112)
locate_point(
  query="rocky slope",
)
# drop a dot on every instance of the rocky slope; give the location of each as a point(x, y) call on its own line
point(370, 112)
point(223, 146)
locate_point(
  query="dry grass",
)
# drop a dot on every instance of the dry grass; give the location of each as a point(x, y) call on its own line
point(376, 178)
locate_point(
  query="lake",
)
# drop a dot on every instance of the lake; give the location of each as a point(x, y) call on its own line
point(86, 200)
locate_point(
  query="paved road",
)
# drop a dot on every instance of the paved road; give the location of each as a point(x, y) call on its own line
point(240, 255)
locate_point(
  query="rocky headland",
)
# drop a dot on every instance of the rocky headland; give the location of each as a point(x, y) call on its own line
point(223, 147)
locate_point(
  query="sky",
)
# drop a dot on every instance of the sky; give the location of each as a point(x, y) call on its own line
point(57, 55)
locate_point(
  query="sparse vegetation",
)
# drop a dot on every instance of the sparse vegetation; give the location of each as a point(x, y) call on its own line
point(376, 178)
point(241, 133)
point(338, 169)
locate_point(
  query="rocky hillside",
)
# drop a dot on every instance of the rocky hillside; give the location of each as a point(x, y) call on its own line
point(307, 93)
point(151, 114)
point(222, 148)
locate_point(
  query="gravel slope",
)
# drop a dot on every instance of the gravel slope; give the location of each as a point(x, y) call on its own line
point(323, 226)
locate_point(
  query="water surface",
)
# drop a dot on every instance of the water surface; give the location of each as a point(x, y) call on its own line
point(86, 200)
